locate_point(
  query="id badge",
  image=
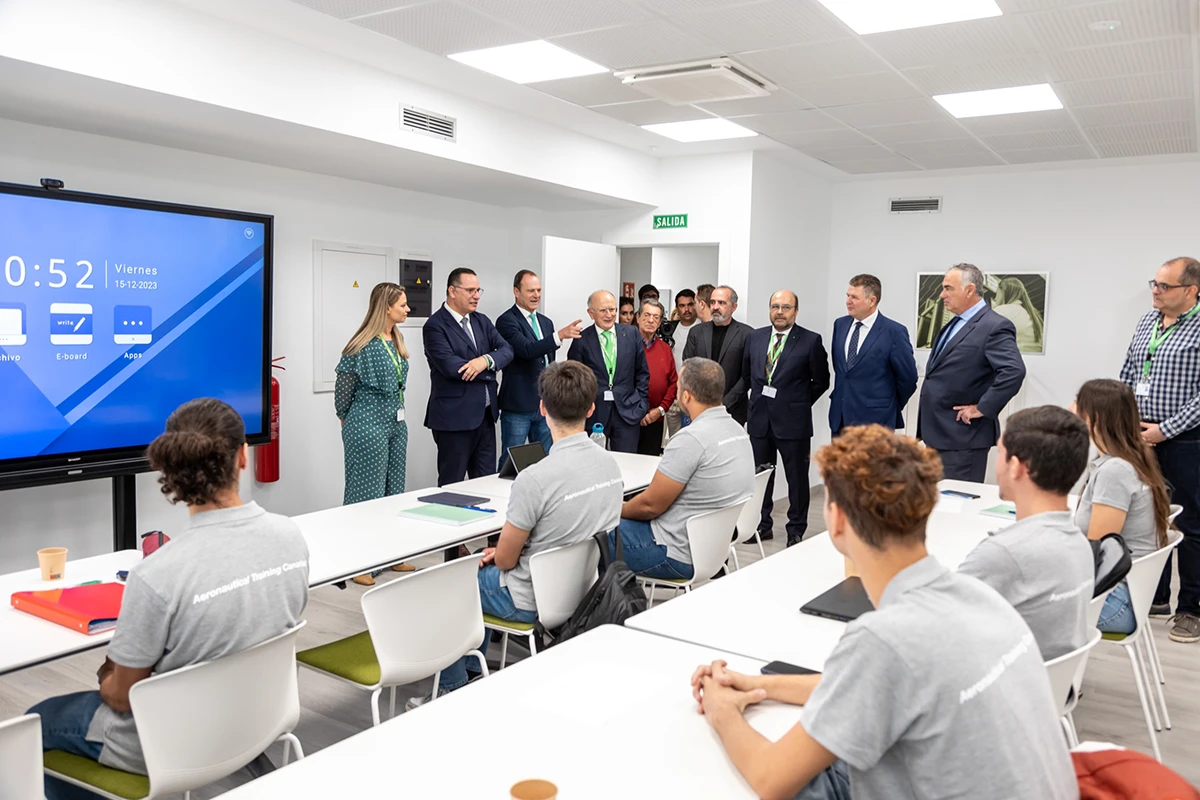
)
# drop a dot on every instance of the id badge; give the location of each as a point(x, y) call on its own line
point(1142, 389)
point(399, 415)
point(769, 391)
point(609, 396)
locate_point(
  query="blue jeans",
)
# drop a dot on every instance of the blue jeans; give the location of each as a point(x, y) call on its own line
point(516, 428)
point(644, 555)
point(1117, 614)
point(65, 721)
point(832, 784)
point(497, 602)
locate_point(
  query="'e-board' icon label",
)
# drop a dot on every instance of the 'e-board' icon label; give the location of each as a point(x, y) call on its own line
point(70, 323)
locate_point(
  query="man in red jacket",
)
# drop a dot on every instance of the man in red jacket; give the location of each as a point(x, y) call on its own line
point(663, 378)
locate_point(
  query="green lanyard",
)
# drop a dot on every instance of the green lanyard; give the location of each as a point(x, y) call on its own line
point(1156, 339)
point(399, 367)
point(773, 357)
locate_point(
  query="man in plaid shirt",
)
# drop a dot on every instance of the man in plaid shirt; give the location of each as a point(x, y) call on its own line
point(1162, 367)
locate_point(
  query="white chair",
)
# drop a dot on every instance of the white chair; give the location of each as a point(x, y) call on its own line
point(708, 542)
point(1142, 581)
point(747, 524)
point(1066, 672)
point(417, 625)
point(201, 723)
point(21, 757)
point(1176, 510)
point(561, 577)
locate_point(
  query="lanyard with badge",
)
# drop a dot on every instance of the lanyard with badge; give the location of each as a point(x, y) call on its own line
point(1156, 340)
point(773, 355)
point(395, 357)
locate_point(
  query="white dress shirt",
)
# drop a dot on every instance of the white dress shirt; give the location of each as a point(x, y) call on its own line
point(867, 324)
point(681, 337)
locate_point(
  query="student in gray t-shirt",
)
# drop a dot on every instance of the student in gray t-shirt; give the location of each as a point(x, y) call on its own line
point(233, 578)
point(939, 692)
point(572, 494)
point(706, 466)
point(1041, 564)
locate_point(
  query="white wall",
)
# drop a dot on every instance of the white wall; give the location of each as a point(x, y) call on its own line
point(1100, 233)
point(681, 267)
point(635, 266)
point(494, 241)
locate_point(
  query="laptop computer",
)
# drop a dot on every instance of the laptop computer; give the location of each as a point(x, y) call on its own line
point(845, 602)
point(520, 457)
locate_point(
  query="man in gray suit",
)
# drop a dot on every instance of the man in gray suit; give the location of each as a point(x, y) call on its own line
point(723, 339)
point(973, 371)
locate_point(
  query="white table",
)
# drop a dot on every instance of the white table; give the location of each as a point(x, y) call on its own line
point(29, 640)
point(578, 715)
point(636, 472)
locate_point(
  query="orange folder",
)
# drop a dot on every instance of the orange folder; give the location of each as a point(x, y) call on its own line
point(90, 609)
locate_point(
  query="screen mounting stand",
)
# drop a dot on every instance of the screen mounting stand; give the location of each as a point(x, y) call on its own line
point(124, 505)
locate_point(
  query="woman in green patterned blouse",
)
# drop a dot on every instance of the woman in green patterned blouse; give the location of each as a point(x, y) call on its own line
point(369, 400)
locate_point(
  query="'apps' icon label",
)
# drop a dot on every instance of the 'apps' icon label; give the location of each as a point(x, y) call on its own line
point(131, 325)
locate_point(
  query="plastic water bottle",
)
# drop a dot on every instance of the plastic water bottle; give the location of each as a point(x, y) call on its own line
point(598, 436)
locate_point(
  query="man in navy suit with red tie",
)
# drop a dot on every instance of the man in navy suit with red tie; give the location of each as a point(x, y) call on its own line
point(465, 352)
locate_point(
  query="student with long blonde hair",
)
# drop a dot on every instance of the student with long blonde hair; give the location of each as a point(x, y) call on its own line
point(369, 400)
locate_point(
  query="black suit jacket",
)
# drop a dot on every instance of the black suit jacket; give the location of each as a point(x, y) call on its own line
point(631, 379)
point(801, 377)
point(980, 366)
point(700, 345)
point(454, 402)
point(518, 390)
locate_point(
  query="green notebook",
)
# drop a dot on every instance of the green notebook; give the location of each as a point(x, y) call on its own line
point(1003, 511)
point(446, 515)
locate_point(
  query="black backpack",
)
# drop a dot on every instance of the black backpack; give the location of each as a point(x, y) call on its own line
point(614, 598)
point(1113, 561)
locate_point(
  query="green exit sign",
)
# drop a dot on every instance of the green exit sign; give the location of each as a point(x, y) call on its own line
point(670, 221)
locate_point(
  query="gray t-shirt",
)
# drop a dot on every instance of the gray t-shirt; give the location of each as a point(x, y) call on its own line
point(233, 578)
point(713, 460)
point(941, 692)
point(1044, 567)
point(1114, 482)
point(571, 494)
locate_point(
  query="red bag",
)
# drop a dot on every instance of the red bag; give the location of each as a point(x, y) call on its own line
point(152, 541)
point(1128, 775)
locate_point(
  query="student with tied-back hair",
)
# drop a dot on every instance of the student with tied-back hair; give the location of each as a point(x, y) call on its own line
point(190, 601)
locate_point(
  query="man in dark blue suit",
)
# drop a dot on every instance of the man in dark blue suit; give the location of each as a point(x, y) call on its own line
point(788, 372)
point(973, 371)
point(617, 354)
point(874, 371)
point(464, 351)
point(534, 342)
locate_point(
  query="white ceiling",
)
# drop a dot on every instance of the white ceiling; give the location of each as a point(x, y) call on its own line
point(861, 103)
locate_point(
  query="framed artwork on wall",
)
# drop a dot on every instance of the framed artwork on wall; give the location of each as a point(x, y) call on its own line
point(1018, 296)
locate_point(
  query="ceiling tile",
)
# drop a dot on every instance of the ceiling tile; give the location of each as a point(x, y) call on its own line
point(1066, 28)
point(893, 112)
point(772, 103)
point(958, 160)
point(643, 45)
point(1130, 113)
point(591, 90)
point(951, 78)
point(915, 132)
point(545, 18)
point(1125, 90)
point(1036, 140)
point(844, 137)
point(344, 9)
point(973, 40)
point(1016, 6)
point(1045, 154)
point(1056, 120)
point(918, 151)
point(1148, 131)
point(811, 62)
point(648, 112)
point(443, 27)
point(1170, 147)
point(1134, 58)
point(892, 164)
point(773, 23)
point(852, 153)
point(856, 89)
point(668, 7)
point(790, 122)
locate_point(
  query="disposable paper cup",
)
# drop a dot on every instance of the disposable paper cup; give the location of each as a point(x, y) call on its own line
point(53, 561)
point(534, 790)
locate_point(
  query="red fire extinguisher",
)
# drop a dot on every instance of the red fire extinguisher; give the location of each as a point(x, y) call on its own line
point(266, 456)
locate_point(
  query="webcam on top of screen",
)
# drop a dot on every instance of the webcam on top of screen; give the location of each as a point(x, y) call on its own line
point(52, 184)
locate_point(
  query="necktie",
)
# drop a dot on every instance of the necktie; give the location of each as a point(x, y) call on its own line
point(773, 355)
point(610, 355)
point(537, 331)
point(944, 338)
point(466, 324)
point(852, 352)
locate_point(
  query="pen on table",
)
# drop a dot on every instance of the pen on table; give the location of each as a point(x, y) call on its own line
point(484, 510)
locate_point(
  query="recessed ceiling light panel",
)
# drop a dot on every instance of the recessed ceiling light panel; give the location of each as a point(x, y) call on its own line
point(877, 16)
point(1105, 25)
point(990, 102)
point(530, 62)
point(700, 130)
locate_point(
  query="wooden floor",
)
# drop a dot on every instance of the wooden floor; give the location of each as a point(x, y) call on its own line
point(1109, 710)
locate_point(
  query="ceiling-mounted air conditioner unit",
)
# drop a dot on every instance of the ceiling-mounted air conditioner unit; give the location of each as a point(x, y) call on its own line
point(698, 82)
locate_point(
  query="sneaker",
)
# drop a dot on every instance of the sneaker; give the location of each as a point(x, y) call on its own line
point(417, 702)
point(404, 567)
point(1186, 628)
point(1160, 610)
point(364, 580)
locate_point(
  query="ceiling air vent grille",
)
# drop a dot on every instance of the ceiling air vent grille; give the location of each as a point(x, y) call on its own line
point(915, 205)
point(429, 123)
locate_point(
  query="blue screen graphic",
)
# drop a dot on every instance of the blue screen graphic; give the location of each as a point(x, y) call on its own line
point(111, 317)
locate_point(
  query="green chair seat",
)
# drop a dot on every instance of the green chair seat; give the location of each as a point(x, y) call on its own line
point(488, 619)
point(679, 581)
point(93, 773)
point(352, 658)
point(1114, 637)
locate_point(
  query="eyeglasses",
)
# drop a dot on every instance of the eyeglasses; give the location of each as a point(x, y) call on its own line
point(783, 308)
point(475, 291)
point(1164, 287)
